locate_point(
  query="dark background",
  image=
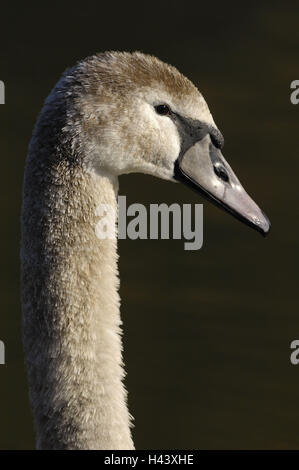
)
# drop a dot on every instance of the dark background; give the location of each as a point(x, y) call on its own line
point(207, 334)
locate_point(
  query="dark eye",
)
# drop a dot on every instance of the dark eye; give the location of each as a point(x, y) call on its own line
point(221, 172)
point(163, 109)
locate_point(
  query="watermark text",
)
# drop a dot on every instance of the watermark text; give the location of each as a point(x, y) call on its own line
point(2, 92)
point(2, 353)
point(294, 358)
point(159, 221)
point(295, 94)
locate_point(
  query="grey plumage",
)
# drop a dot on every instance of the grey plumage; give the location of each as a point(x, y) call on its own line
point(96, 124)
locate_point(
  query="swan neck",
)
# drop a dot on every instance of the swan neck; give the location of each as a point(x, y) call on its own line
point(71, 317)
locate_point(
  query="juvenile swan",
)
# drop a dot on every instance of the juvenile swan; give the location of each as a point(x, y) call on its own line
point(111, 114)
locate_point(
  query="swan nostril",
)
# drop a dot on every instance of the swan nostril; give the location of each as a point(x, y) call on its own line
point(221, 172)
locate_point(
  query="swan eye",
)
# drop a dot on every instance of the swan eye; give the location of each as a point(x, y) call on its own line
point(220, 171)
point(163, 109)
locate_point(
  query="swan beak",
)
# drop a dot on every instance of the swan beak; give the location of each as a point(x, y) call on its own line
point(204, 168)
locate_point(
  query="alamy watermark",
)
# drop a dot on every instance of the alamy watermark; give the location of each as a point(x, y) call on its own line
point(294, 358)
point(145, 223)
point(295, 94)
point(2, 353)
point(2, 92)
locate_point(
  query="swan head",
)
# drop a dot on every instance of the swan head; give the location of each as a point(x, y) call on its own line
point(138, 114)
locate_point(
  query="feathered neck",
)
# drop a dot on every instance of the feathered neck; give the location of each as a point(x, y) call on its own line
point(71, 319)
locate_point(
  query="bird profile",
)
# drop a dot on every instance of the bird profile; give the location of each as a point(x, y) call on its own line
point(113, 113)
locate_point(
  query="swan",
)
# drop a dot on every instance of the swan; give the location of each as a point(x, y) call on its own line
point(112, 113)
